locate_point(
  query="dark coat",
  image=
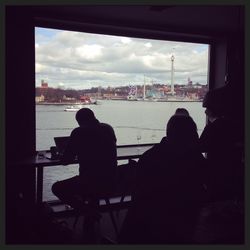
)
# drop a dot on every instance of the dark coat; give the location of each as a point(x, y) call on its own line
point(168, 195)
point(95, 147)
point(223, 144)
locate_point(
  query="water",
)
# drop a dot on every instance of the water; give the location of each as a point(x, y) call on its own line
point(133, 121)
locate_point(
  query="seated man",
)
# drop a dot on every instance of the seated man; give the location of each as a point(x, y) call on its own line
point(94, 144)
point(222, 140)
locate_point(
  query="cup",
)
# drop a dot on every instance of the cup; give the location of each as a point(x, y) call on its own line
point(54, 152)
point(41, 154)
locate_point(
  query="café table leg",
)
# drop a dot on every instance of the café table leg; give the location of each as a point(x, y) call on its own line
point(39, 191)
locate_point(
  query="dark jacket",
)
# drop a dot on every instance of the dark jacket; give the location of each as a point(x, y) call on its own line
point(222, 142)
point(172, 171)
point(168, 196)
point(95, 147)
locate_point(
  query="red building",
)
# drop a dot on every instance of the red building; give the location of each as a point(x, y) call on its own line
point(44, 84)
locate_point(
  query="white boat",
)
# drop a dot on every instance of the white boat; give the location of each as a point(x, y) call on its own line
point(73, 108)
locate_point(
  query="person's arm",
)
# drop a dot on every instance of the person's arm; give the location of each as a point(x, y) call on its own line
point(143, 170)
point(112, 132)
point(163, 139)
point(70, 151)
point(205, 140)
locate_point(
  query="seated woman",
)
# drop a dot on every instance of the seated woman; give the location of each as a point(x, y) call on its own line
point(169, 189)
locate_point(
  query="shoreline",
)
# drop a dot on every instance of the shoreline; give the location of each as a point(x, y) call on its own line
point(70, 104)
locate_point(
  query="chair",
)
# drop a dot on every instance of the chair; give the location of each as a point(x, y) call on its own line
point(91, 210)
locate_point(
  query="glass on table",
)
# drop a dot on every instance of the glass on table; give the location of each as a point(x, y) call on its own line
point(153, 136)
point(41, 154)
point(138, 138)
point(54, 153)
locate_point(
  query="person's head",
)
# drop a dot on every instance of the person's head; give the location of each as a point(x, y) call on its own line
point(85, 116)
point(181, 111)
point(182, 130)
point(216, 102)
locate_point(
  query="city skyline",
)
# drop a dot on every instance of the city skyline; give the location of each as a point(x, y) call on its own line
point(79, 60)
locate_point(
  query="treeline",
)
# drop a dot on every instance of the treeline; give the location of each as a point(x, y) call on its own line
point(57, 94)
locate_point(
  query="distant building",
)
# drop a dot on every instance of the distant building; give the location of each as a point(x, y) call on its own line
point(44, 84)
point(68, 99)
point(197, 86)
point(192, 96)
point(40, 98)
point(107, 96)
point(85, 99)
point(189, 83)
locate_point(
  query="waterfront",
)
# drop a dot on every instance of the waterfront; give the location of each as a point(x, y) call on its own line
point(134, 123)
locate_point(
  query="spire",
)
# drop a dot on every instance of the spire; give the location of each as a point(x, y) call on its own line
point(172, 74)
point(144, 89)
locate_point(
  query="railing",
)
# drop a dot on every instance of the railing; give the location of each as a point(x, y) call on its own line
point(42, 160)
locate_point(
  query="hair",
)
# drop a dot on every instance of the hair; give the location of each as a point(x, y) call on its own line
point(182, 129)
point(216, 101)
point(181, 111)
point(85, 115)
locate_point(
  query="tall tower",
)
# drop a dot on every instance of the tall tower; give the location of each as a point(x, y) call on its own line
point(144, 89)
point(172, 75)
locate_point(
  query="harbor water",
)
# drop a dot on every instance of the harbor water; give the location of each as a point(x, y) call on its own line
point(134, 122)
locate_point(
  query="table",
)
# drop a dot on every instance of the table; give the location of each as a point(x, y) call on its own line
point(125, 152)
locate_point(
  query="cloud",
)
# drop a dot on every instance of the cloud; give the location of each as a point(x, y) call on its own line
point(81, 60)
point(148, 45)
point(89, 52)
point(61, 85)
point(126, 40)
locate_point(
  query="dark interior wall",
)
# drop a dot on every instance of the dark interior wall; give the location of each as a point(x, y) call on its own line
point(20, 115)
point(236, 77)
point(218, 63)
point(20, 84)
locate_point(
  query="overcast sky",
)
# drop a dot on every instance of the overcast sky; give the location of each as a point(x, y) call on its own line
point(83, 60)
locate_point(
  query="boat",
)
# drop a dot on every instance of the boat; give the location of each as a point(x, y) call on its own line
point(84, 103)
point(73, 108)
point(131, 98)
point(87, 100)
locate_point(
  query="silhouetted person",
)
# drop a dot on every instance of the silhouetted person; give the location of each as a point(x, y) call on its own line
point(178, 111)
point(181, 111)
point(169, 189)
point(220, 139)
point(94, 145)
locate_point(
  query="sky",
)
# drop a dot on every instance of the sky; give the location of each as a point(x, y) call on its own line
point(78, 60)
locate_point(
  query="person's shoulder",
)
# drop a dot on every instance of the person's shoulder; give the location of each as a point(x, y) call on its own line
point(106, 126)
point(79, 131)
point(217, 124)
point(222, 124)
point(163, 140)
point(157, 148)
point(75, 133)
point(107, 130)
point(152, 155)
point(76, 130)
